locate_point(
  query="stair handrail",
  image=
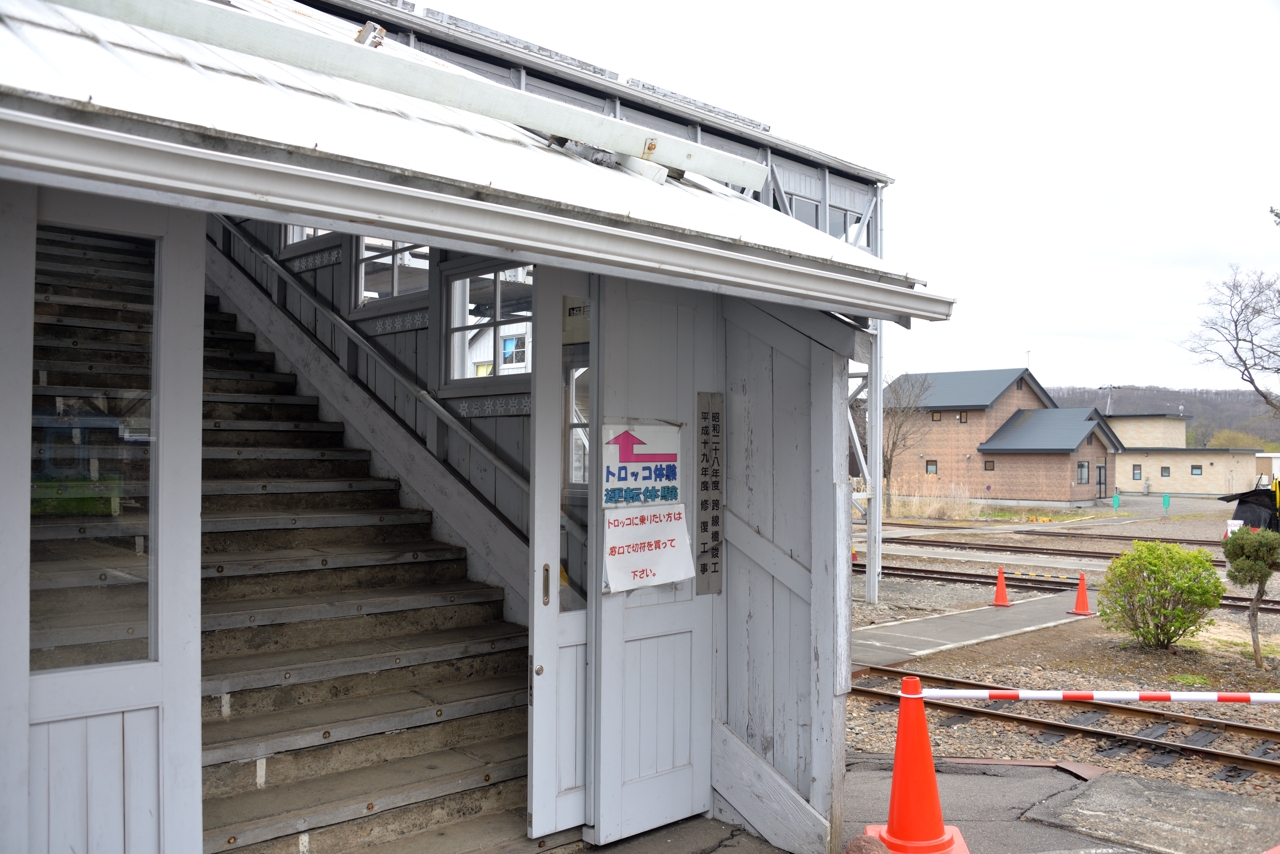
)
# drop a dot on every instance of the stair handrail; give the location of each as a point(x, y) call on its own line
point(356, 337)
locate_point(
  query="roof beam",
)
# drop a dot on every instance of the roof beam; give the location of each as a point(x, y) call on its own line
point(232, 29)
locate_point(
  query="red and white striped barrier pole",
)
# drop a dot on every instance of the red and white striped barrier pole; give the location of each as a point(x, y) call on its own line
point(1103, 696)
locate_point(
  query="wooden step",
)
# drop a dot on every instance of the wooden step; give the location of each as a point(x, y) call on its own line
point(138, 526)
point(251, 613)
point(273, 812)
point(228, 425)
point(317, 724)
point(228, 565)
point(247, 671)
point(95, 302)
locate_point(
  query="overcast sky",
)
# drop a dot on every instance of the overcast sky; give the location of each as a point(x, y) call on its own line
point(1072, 173)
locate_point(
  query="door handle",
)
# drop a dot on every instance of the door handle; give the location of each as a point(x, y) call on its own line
point(546, 584)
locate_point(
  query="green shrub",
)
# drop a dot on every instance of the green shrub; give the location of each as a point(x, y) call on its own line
point(1253, 556)
point(1160, 593)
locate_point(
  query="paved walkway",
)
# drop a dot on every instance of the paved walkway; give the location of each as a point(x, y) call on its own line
point(893, 643)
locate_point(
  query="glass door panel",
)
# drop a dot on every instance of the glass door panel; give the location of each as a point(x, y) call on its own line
point(91, 449)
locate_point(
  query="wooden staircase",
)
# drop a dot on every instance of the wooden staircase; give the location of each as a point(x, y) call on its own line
point(360, 694)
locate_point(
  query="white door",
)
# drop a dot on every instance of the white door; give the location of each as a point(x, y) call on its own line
point(651, 660)
point(112, 525)
point(557, 547)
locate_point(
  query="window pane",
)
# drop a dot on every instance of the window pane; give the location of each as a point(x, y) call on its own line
point(1164, 471)
point(930, 466)
point(471, 353)
point(836, 222)
point(299, 233)
point(805, 211)
point(412, 270)
point(517, 293)
point(91, 437)
point(513, 348)
point(1137, 472)
point(472, 301)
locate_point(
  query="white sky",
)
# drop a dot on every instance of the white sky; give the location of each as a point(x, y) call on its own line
point(1072, 173)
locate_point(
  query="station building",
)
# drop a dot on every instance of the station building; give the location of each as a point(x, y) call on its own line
point(415, 437)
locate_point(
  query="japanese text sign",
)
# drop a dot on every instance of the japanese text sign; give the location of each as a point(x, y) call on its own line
point(641, 464)
point(646, 546)
point(708, 482)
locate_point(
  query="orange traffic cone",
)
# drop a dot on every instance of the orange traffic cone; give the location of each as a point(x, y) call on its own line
point(1002, 597)
point(1082, 601)
point(915, 812)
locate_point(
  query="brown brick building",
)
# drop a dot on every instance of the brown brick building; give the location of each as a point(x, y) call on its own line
point(1000, 437)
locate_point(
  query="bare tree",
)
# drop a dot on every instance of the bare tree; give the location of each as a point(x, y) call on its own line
point(904, 421)
point(1241, 330)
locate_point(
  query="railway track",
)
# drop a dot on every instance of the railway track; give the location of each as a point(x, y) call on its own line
point(1044, 551)
point(1263, 755)
point(1018, 581)
point(1081, 535)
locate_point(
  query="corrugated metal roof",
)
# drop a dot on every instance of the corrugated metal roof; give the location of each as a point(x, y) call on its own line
point(975, 389)
point(103, 67)
point(1047, 431)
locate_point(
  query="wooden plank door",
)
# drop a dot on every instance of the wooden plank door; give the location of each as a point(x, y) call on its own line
point(652, 656)
point(114, 731)
point(557, 615)
point(778, 756)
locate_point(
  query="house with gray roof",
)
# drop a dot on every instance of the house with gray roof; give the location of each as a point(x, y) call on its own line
point(998, 436)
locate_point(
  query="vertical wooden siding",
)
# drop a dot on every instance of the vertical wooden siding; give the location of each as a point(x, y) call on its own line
point(94, 784)
point(769, 663)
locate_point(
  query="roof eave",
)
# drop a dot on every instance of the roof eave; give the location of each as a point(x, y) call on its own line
point(41, 149)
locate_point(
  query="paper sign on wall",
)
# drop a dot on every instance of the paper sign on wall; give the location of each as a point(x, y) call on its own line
point(644, 547)
point(646, 534)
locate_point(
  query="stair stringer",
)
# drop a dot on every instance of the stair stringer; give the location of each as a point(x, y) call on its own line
point(495, 554)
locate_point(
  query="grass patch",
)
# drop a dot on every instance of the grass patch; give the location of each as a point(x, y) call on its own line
point(1191, 680)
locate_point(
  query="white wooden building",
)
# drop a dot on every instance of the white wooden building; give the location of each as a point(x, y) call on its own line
point(358, 570)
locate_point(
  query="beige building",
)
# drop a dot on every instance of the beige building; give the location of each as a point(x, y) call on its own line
point(1156, 459)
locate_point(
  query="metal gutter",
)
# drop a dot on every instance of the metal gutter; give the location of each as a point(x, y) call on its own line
point(226, 27)
point(37, 149)
point(606, 86)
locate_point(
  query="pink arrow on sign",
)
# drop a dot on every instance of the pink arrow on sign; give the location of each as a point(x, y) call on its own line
point(627, 441)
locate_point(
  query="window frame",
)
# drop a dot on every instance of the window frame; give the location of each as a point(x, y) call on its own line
point(1197, 470)
point(1137, 471)
point(1082, 473)
point(937, 416)
point(361, 308)
point(930, 466)
point(964, 416)
point(1165, 471)
point(988, 465)
point(474, 267)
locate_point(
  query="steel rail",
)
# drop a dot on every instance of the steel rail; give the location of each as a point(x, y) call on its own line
point(367, 347)
point(1023, 582)
point(1069, 534)
point(1034, 550)
point(1221, 757)
point(1123, 709)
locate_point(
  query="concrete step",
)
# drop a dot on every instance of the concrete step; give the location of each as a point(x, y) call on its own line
point(137, 525)
point(490, 833)
point(256, 669)
point(322, 724)
point(333, 604)
point(284, 811)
